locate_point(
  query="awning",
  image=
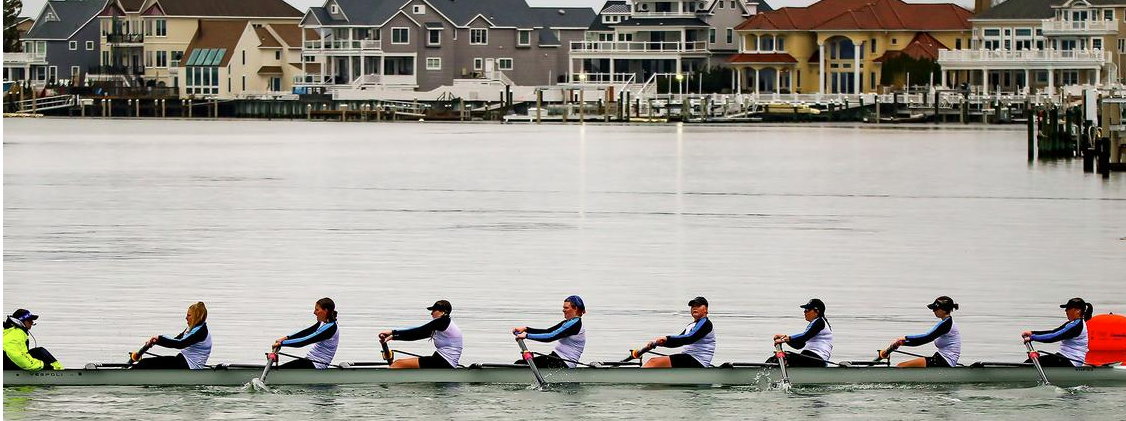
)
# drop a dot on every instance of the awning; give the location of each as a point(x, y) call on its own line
point(270, 70)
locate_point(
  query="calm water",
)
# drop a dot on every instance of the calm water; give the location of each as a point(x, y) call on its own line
point(111, 228)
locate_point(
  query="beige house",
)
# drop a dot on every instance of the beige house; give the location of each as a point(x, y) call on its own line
point(144, 41)
point(241, 59)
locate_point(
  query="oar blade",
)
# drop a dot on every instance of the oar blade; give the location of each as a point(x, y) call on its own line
point(527, 356)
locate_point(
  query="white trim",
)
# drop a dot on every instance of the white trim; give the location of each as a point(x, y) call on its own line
point(72, 45)
point(89, 45)
point(408, 32)
point(511, 63)
point(491, 24)
point(427, 64)
point(471, 42)
point(418, 9)
point(523, 31)
point(433, 44)
point(400, 12)
point(338, 8)
point(478, 63)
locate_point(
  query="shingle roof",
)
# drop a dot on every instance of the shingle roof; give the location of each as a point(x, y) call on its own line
point(1021, 10)
point(265, 38)
point(289, 33)
point(862, 15)
point(564, 17)
point(636, 22)
point(72, 16)
point(615, 7)
point(923, 46)
point(132, 5)
point(232, 8)
point(547, 38)
point(217, 34)
point(506, 13)
point(762, 58)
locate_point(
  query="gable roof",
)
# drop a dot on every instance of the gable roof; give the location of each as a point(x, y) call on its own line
point(863, 15)
point(265, 38)
point(922, 46)
point(220, 35)
point(1020, 10)
point(72, 15)
point(503, 13)
point(290, 34)
point(229, 8)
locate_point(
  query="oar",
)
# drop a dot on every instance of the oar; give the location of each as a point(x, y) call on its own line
point(635, 354)
point(387, 354)
point(880, 355)
point(271, 358)
point(781, 355)
point(136, 356)
point(527, 355)
point(1035, 357)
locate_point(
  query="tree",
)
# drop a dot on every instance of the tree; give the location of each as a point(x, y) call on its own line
point(12, 9)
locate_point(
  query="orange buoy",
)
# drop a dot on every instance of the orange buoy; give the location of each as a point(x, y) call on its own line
point(1106, 336)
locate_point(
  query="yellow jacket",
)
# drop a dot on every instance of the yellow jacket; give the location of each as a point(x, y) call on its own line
point(15, 347)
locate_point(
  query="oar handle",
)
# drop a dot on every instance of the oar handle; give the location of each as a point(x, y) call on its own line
point(272, 356)
point(388, 355)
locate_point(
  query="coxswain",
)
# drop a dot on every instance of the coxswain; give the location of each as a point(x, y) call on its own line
point(816, 341)
point(697, 339)
point(569, 333)
point(440, 329)
point(323, 335)
point(1072, 336)
point(944, 334)
point(194, 344)
point(17, 356)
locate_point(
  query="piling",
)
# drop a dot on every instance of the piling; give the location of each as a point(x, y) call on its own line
point(582, 106)
point(1028, 114)
point(539, 105)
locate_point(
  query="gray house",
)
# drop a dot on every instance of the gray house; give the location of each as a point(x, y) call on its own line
point(425, 44)
point(63, 42)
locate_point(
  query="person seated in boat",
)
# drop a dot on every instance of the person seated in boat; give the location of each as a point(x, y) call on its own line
point(816, 342)
point(944, 334)
point(1072, 336)
point(323, 335)
point(698, 340)
point(570, 334)
point(441, 329)
point(17, 356)
point(194, 344)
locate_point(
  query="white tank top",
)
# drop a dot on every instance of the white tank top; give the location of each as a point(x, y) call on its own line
point(1076, 348)
point(950, 345)
point(323, 351)
point(703, 349)
point(449, 343)
point(820, 343)
point(571, 347)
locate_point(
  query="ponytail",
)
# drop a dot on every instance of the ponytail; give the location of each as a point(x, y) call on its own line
point(1088, 311)
point(328, 305)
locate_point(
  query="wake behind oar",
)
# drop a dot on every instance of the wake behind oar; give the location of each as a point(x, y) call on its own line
point(259, 383)
point(781, 356)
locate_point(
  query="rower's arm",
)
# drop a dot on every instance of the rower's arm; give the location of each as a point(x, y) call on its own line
point(701, 329)
point(422, 332)
point(811, 330)
point(942, 328)
point(15, 347)
point(306, 331)
point(196, 335)
point(1066, 331)
point(324, 332)
point(532, 330)
point(562, 330)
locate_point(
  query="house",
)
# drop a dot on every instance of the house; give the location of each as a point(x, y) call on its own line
point(1032, 46)
point(426, 44)
point(240, 59)
point(61, 44)
point(842, 46)
point(634, 39)
point(143, 41)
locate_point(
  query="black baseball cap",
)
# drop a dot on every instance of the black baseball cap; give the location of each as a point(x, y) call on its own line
point(23, 315)
point(814, 304)
point(1075, 303)
point(698, 301)
point(441, 305)
point(943, 302)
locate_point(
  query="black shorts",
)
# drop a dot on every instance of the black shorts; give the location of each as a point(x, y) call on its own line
point(684, 361)
point(433, 361)
point(936, 360)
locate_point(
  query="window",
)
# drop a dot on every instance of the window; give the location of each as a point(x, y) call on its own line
point(1108, 14)
point(1122, 45)
point(872, 80)
point(1024, 32)
point(1096, 43)
point(872, 42)
point(277, 55)
point(433, 63)
point(732, 4)
point(89, 45)
point(419, 9)
point(244, 82)
point(400, 36)
point(994, 32)
point(780, 43)
point(176, 57)
point(73, 45)
point(434, 37)
point(148, 58)
point(479, 37)
point(105, 58)
point(161, 59)
point(894, 41)
point(711, 35)
point(730, 35)
point(334, 9)
point(203, 80)
point(74, 72)
point(504, 63)
point(161, 27)
point(243, 57)
point(478, 63)
point(524, 38)
point(957, 45)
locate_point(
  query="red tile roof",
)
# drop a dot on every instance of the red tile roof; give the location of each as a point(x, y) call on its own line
point(923, 46)
point(762, 58)
point(863, 15)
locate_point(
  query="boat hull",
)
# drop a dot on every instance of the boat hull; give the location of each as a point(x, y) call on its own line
point(757, 376)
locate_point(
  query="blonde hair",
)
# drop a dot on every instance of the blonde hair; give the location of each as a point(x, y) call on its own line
point(198, 312)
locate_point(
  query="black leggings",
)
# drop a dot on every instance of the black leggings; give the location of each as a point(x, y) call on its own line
point(170, 362)
point(40, 354)
point(1049, 359)
point(298, 363)
point(551, 360)
point(806, 359)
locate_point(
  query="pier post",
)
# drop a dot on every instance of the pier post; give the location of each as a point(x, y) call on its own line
point(163, 107)
point(109, 108)
point(936, 94)
point(539, 106)
point(878, 109)
point(1028, 114)
point(582, 106)
point(343, 112)
point(137, 107)
point(963, 110)
point(1103, 150)
point(81, 108)
point(566, 104)
point(215, 103)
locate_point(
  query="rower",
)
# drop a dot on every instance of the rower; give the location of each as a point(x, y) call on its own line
point(194, 344)
point(944, 334)
point(698, 340)
point(17, 356)
point(441, 329)
point(817, 339)
point(569, 332)
point(323, 335)
point(1072, 336)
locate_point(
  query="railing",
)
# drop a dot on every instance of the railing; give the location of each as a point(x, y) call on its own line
point(1070, 56)
point(366, 80)
point(1053, 25)
point(643, 14)
point(344, 44)
point(117, 38)
point(115, 70)
point(638, 46)
point(25, 58)
point(601, 78)
point(45, 103)
point(313, 80)
point(499, 76)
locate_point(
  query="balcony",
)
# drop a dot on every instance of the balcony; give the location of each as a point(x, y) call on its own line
point(342, 45)
point(637, 47)
point(1078, 27)
point(1022, 59)
point(24, 59)
point(313, 79)
point(119, 38)
point(641, 14)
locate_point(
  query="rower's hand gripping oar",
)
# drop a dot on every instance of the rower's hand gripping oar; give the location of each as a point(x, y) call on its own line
point(886, 353)
point(635, 354)
point(1035, 357)
point(527, 356)
point(134, 357)
point(781, 356)
point(388, 355)
point(271, 359)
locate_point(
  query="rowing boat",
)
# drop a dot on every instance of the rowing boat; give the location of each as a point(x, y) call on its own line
point(759, 375)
